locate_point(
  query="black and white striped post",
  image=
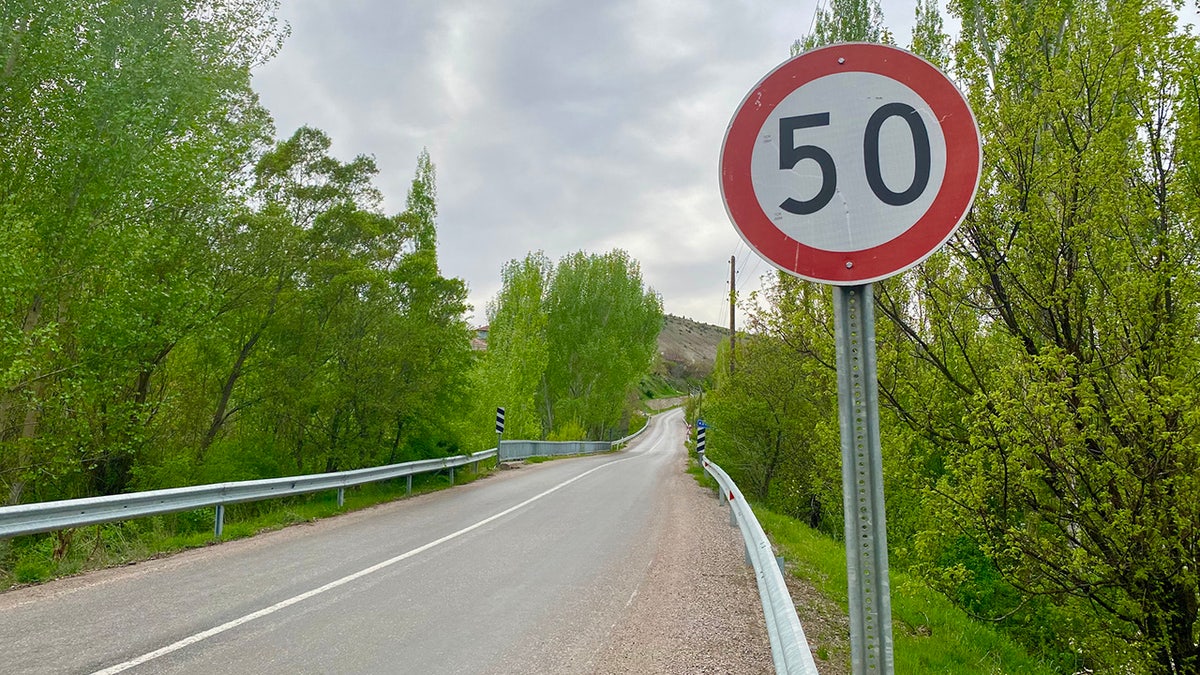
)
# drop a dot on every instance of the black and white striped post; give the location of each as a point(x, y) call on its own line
point(499, 432)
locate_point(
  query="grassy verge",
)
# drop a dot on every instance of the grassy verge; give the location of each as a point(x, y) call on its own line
point(38, 558)
point(929, 633)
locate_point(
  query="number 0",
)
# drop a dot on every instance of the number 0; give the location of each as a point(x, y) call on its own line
point(920, 149)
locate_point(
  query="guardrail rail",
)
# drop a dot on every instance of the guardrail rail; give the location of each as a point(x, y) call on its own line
point(789, 647)
point(57, 515)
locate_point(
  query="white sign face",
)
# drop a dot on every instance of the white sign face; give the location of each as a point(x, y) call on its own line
point(850, 163)
point(904, 148)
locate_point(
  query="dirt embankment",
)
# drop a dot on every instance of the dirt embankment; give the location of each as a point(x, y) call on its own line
point(688, 350)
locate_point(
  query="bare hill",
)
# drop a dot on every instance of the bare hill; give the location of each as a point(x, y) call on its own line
point(688, 350)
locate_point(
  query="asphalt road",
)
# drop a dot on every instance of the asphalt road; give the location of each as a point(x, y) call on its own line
point(525, 571)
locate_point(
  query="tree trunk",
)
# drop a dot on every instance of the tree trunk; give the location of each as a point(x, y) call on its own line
point(219, 416)
point(1171, 623)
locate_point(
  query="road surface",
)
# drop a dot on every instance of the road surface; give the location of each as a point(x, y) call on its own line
point(549, 568)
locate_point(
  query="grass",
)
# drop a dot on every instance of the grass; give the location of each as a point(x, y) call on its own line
point(38, 558)
point(657, 386)
point(930, 635)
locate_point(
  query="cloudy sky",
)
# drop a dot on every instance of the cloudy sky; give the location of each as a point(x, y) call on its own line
point(555, 125)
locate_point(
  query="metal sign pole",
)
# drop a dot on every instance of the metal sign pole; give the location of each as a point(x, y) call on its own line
point(862, 481)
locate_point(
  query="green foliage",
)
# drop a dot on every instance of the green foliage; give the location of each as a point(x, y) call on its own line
point(122, 128)
point(517, 352)
point(930, 634)
point(654, 386)
point(570, 430)
point(1053, 347)
point(845, 21)
point(183, 300)
point(773, 421)
point(601, 328)
point(1039, 425)
point(567, 345)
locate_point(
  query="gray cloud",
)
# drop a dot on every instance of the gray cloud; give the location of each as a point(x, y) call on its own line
point(554, 125)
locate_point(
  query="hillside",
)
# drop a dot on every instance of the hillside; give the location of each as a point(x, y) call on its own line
point(687, 351)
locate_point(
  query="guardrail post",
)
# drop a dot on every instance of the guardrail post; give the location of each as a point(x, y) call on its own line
point(341, 497)
point(219, 527)
point(452, 475)
point(408, 488)
point(779, 561)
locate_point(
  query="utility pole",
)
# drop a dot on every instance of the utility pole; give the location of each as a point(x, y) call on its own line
point(732, 306)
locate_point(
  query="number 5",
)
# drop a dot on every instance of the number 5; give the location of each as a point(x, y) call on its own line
point(789, 156)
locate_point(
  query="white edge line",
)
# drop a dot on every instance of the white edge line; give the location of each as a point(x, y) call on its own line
point(217, 630)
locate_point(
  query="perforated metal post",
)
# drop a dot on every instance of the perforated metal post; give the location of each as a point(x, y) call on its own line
point(862, 482)
point(219, 524)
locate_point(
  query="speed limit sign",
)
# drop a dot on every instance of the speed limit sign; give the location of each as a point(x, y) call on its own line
point(850, 163)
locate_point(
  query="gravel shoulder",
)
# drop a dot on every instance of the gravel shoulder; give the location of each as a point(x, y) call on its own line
point(697, 609)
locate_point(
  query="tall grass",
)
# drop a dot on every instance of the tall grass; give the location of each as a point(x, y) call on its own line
point(930, 635)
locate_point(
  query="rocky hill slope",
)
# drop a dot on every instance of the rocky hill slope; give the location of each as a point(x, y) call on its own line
point(687, 351)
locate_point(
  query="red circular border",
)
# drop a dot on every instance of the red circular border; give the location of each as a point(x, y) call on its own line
point(961, 178)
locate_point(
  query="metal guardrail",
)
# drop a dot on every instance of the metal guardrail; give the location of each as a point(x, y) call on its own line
point(524, 449)
point(630, 437)
point(789, 647)
point(510, 450)
point(57, 515)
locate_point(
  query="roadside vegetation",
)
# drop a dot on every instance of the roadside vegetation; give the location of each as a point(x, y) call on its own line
point(1037, 375)
point(40, 558)
point(189, 297)
point(930, 633)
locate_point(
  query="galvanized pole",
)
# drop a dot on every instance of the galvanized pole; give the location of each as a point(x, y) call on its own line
point(219, 525)
point(732, 308)
point(862, 481)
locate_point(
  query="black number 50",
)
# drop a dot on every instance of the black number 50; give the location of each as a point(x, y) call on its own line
point(790, 155)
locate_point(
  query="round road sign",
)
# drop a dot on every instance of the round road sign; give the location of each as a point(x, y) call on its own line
point(850, 163)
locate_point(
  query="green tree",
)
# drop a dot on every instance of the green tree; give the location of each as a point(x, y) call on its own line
point(1054, 349)
point(602, 327)
point(845, 21)
point(568, 344)
point(773, 421)
point(123, 129)
point(339, 345)
point(517, 351)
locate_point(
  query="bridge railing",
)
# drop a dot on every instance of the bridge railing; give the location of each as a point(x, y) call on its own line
point(58, 515)
point(512, 450)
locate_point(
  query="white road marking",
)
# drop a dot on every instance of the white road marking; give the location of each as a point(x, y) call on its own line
point(204, 635)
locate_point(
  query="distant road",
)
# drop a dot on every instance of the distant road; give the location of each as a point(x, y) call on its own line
point(526, 571)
